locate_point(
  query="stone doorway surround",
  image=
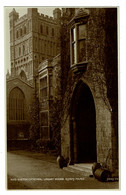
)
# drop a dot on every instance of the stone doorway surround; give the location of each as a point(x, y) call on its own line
point(83, 126)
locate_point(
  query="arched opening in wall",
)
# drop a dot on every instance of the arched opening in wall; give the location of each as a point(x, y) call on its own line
point(16, 105)
point(17, 123)
point(23, 75)
point(83, 125)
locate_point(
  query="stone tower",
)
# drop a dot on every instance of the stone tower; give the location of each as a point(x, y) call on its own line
point(13, 16)
point(33, 38)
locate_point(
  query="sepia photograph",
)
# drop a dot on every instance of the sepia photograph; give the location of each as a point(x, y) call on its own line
point(62, 110)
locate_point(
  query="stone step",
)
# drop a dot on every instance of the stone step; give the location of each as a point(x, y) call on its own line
point(83, 169)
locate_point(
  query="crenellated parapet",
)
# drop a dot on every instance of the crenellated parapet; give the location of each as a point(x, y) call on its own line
point(47, 18)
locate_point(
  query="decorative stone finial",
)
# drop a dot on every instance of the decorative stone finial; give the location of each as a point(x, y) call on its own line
point(81, 12)
point(81, 16)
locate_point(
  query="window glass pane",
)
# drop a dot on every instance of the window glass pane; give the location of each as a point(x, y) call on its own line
point(81, 31)
point(44, 119)
point(44, 132)
point(43, 93)
point(82, 50)
point(74, 60)
point(43, 82)
point(73, 34)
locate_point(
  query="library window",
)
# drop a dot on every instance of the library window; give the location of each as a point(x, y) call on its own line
point(81, 30)
point(43, 88)
point(44, 119)
point(78, 44)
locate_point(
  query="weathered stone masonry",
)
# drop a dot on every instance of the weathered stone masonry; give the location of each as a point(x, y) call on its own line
point(94, 77)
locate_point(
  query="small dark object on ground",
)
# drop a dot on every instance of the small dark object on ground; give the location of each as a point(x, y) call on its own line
point(62, 162)
point(102, 174)
point(91, 176)
point(95, 166)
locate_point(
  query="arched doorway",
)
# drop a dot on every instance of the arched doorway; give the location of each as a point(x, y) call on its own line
point(83, 125)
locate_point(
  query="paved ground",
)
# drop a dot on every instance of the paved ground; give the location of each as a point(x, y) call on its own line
point(30, 170)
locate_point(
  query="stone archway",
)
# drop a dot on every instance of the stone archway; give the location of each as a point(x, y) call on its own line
point(83, 125)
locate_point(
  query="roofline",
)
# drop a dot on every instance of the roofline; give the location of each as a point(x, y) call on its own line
point(13, 78)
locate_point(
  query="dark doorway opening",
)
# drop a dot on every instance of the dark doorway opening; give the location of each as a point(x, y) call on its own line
point(83, 125)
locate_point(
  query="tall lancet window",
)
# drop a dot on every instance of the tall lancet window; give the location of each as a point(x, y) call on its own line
point(16, 105)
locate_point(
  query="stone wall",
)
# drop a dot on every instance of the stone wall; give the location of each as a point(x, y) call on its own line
point(95, 78)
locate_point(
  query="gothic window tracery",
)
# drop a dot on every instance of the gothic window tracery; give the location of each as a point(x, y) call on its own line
point(16, 104)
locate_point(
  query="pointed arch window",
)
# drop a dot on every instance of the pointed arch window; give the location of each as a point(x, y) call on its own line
point(23, 75)
point(16, 104)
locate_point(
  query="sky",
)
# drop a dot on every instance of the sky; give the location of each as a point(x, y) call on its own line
point(22, 11)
